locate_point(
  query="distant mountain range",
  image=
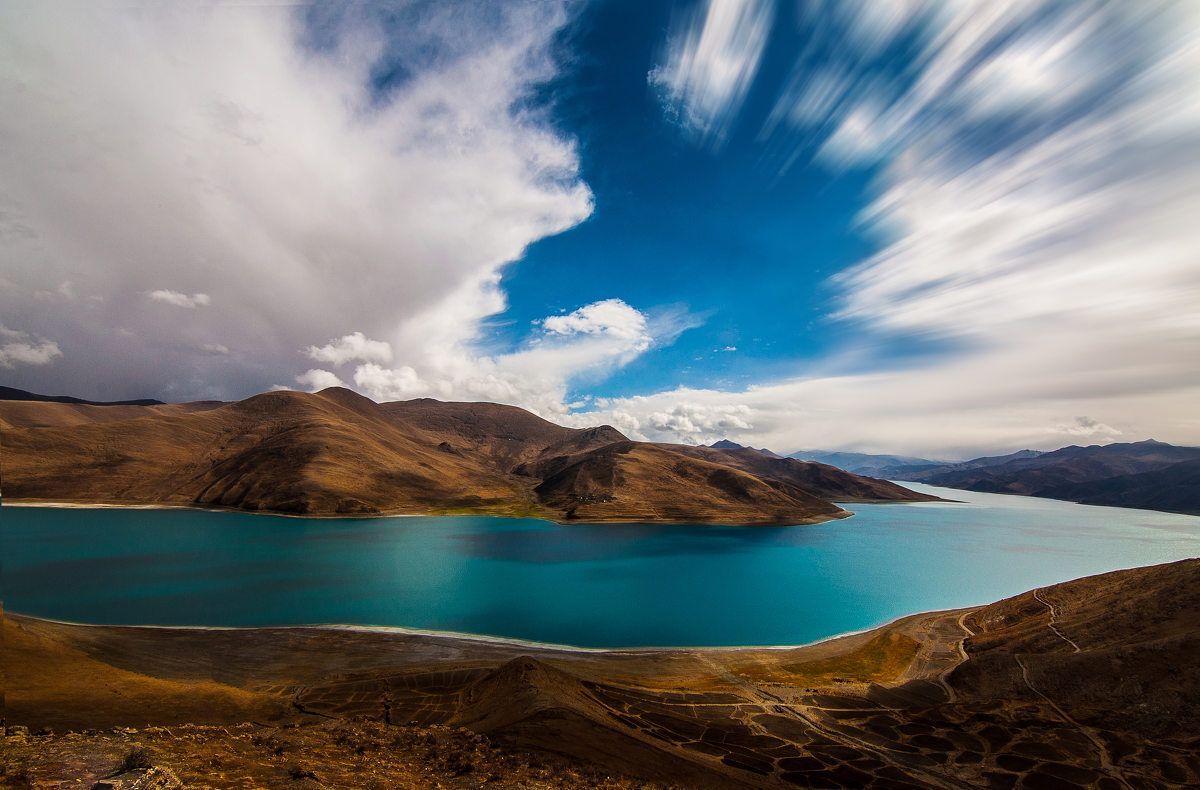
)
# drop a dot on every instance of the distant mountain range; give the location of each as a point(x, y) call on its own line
point(725, 444)
point(1150, 474)
point(864, 463)
point(12, 393)
point(338, 452)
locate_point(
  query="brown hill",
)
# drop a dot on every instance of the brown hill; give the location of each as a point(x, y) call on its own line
point(336, 452)
point(1117, 651)
point(632, 481)
point(822, 480)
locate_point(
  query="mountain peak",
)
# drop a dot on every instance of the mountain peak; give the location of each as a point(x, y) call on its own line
point(725, 444)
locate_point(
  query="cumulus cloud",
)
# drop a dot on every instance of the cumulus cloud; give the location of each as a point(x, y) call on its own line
point(316, 379)
point(179, 299)
point(352, 347)
point(564, 350)
point(709, 63)
point(21, 348)
point(249, 153)
point(611, 317)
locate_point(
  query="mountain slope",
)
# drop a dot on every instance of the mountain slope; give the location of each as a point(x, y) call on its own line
point(1175, 488)
point(823, 480)
point(1097, 474)
point(281, 451)
point(1118, 650)
point(631, 481)
point(1074, 464)
point(336, 452)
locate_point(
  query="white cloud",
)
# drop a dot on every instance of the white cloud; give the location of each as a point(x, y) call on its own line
point(316, 380)
point(1086, 426)
point(23, 348)
point(214, 348)
point(611, 317)
point(246, 148)
point(710, 61)
point(1035, 214)
point(569, 349)
point(352, 347)
point(179, 299)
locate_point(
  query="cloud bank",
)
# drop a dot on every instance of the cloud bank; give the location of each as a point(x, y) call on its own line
point(251, 158)
point(573, 348)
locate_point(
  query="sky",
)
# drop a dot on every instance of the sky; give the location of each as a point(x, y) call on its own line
point(932, 228)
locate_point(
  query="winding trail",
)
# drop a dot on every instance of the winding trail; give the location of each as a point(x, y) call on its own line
point(1054, 619)
point(1106, 762)
point(810, 715)
point(961, 646)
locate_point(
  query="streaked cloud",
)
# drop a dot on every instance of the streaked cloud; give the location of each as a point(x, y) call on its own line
point(179, 299)
point(709, 62)
point(1038, 181)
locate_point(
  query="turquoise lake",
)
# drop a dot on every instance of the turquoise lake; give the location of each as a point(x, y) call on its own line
point(606, 585)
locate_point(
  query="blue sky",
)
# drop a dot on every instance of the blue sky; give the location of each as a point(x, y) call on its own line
point(743, 246)
point(914, 227)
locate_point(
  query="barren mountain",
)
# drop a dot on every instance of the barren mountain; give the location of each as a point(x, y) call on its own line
point(823, 480)
point(1149, 474)
point(1175, 488)
point(874, 464)
point(337, 452)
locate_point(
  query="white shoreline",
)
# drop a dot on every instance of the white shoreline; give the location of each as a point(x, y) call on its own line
point(487, 639)
point(133, 506)
point(276, 513)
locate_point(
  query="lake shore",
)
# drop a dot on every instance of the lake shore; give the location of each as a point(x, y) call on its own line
point(464, 640)
point(547, 517)
point(933, 699)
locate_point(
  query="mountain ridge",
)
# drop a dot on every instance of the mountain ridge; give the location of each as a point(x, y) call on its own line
point(336, 452)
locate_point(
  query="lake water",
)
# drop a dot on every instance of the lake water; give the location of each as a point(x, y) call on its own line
point(605, 585)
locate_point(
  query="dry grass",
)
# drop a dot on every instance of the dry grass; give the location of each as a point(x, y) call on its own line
point(885, 657)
